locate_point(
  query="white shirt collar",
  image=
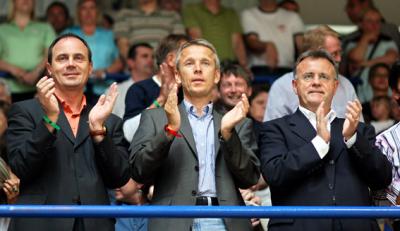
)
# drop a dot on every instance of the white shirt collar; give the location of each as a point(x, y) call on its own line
point(312, 117)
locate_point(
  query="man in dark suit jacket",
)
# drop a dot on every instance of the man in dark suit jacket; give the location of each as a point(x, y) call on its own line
point(63, 151)
point(193, 154)
point(313, 158)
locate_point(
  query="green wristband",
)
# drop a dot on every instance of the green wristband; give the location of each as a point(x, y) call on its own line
point(155, 102)
point(54, 125)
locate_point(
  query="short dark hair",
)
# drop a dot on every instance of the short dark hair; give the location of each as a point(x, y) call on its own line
point(315, 54)
point(59, 4)
point(258, 89)
point(67, 35)
point(236, 70)
point(168, 44)
point(133, 52)
point(394, 76)
point(374, 69)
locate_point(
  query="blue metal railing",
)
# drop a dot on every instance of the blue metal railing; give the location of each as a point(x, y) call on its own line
point(199, 211)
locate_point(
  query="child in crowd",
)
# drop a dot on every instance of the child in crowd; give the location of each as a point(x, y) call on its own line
point(380, 109)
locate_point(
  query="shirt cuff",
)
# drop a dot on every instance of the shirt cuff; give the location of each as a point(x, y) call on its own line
point(349, 143)
point(321, 146)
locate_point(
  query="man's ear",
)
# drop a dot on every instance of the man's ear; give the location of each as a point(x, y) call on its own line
point(48, 68)
point(178, 78)
point(249, 91)
point(294, 85)
point(217, 76)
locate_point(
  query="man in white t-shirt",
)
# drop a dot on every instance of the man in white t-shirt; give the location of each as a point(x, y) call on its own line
point(271, 34)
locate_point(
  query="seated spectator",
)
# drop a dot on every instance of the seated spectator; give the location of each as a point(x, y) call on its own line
point(219, 25)
point(171, 5)
point(233, 83)
point(152, 93)
point(369, 48)
point(258, 103)
point(355, 9)
point(101, 42)
point(57, 14)
point(141, 66)
point(23, 47)
point(378, 79)
point(5, 94)
point(9, 184)
point(394, 110)
point(380, 110)
point(272, 34)
point(148, 23)
point(290, 5)
point(4, 107)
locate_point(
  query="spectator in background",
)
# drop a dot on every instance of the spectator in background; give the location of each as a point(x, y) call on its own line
point(152, 93)
point(4, 108)
point(320, 37)
point(272, 34)
point(5, 93)
point(57, 14)
point(388, 143)
point(107, 22)
point(141, 66)
point(355, 9)
point(171, 5)
point(233, 83)
point(369, 48)
point(148, 23)
point(101, 41)
point(378, 78)
point(380, 111)
point(219, 25)
point(23, 47)
point(258, 103)
point(290, 5)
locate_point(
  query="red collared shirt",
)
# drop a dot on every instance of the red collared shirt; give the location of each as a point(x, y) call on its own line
point(72, 116)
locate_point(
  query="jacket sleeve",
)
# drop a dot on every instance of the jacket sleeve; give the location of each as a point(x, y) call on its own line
point(112, 155)
point(240, 155)
point(280, 166)
point(149, 148)
point(28, 143)
point(369, 161)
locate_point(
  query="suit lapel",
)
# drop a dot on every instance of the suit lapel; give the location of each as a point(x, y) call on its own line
point(217, 125)
point(300, 126)
point(337, 144)
point(186, 129)
point(65, 127)
point(83, 128)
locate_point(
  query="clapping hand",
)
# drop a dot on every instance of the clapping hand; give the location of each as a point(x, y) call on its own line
point(103, 108)
point(322, 123)
point(353, 115)
point(234, 116)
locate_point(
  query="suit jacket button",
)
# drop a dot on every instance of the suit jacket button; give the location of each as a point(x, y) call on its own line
point(196, 168)
point(330, 186)
point(194, 193)
point(331, 162)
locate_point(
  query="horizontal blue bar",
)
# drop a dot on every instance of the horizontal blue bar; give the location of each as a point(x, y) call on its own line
point(199, 211)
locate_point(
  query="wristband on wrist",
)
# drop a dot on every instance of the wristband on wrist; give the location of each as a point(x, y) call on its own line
point(51, 123)
point(155, 102)
point(171, 132)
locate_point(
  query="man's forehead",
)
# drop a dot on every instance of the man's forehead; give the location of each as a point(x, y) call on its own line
point(188, 51)
point(70, 45)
